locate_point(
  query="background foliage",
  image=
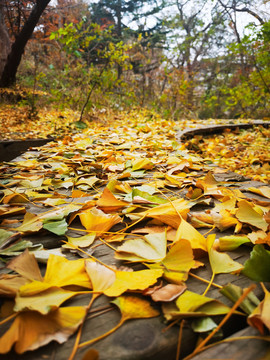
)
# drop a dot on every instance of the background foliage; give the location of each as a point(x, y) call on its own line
point(189, 59)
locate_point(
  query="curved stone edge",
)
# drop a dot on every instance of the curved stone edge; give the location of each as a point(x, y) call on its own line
point(216, 129)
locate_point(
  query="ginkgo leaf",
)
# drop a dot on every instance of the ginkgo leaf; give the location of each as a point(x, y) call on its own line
point(31, 223)
point(18, 247)
point(56, 227)
point(177, 262)
point(204, 324)
point(101, 276)
point(170, 213)
point(96, 220)
point(139, 164)
point(257, 268)
point(7, 237)
point(117, 186)
point(81, 241)
point(258, 235)
point(15, 198)
point(168, 292)
point(234, 292)
point(190, 304)
point(221, 263)
point(262, 190)
point(225, 205)
point(133, 307)
point(224, 220)
point(181, 166)
point(32, 183)
point(109, 203)
point(209, 185)
point(151, 247)
point(11, 210)
point(247, 214)
point(186, 231)
point(264, 240)
point(135, 280)
point(201, 220)
point(10, 284)
point(60, 213)
point(45, 301)
point(143, 197)
point(31, 330)
point(232, 242)
point(88, 181)
point(26, 265)
point(60, 272)
point(78, 194)
point(54, 201)
point(260, 316)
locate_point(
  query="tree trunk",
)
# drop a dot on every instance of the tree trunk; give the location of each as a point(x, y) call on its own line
point(119, 31)
point(8, 76)
point(4, 39)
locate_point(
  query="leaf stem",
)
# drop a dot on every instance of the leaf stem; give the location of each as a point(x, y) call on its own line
point(209, 284)
point(90, 342)
point(79, 333)
point(205, 281)
point(8, 318)
point(180, 336)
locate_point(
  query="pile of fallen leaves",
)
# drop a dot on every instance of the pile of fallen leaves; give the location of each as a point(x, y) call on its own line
point(244, 151)
point(17, 123)
point(131, 188)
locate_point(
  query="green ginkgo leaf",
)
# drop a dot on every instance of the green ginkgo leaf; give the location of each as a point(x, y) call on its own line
point(257, 268)
point(57, 227)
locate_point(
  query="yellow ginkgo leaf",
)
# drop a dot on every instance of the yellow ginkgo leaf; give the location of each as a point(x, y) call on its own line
point(81, 241)
point(60, 272)
point(44, 302)
point(139, 164)
point(11, 210)
point(101, 276)
point(109, 203)
point(30, 329)
point(14, 198)
point(151, 247)
point(170, 213)
point(263, 191)
point(177, 262)
point(225, 205)
point(209, 185)
point(224, 220)
point(96, 220)
point(247, 214)
point(193, 302)
point(186, 231)
point(87, 181)
point(134, 280)
point(221, 263)
point(133, 307)
point(190, 304)
point(31, 223)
